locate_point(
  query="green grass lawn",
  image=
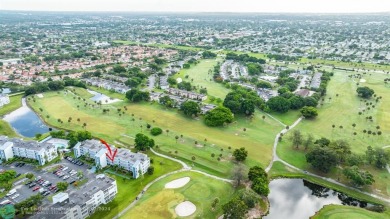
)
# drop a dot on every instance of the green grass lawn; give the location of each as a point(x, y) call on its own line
point(199, 75)
point(287, 118)
point(342, 110)
point(257, 139)
point(129, 189)
point(201, 190)
point(342, 64)
point(342, 212)
point(5, 127)
point(7, 130)
point(15, 103)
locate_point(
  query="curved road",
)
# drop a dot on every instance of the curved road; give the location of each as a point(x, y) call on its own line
point(276, 158)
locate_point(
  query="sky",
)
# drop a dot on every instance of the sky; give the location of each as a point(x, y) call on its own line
point(273, 6)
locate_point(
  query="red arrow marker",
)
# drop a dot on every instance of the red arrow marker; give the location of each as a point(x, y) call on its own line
point(110, 155)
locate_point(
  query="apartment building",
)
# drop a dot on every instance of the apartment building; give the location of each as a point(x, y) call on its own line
point(41, 152)
point(82, 203)
point(137, 163)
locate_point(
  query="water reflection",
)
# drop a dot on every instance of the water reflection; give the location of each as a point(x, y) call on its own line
point(26, 122)
point(300, 199)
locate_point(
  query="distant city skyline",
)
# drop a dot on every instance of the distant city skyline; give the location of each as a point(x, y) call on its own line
point(273, 6)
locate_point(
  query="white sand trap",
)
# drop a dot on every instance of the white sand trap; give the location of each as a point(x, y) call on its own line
point(177, 183)
point(362, 80)
point(40, 95)
point(185, 209)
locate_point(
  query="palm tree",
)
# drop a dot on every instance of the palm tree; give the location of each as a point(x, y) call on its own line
point(353, 125)
point(167, 131)
point(263, 117)
point(176, 137)
point(85, 125)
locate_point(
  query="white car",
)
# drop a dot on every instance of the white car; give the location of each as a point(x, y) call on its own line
point(66, 177)
point(15, 196)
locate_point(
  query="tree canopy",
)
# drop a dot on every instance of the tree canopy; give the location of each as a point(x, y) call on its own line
point(240, 154)
point(278, 104)
point(322, 158)
point(365, 92)
point(135, 95)
point(143, 142)
point(309, 112)
point(218, 116)
point(190, 108)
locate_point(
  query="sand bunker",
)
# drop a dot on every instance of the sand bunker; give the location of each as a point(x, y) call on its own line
point(177, 183)
point(185, 209)
point(362, 80)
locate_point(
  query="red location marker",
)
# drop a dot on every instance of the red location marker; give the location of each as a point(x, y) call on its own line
point(110, 154)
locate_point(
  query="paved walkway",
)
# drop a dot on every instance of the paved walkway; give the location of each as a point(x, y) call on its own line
point(185, 167)
point(276, 158)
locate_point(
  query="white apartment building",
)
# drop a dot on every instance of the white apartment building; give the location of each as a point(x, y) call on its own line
point(137, 163)
point(42, 152)
point(81, 203)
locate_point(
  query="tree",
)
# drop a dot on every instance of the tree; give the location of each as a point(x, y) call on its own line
point(322, 142)
point(297, 102)
point(357, 177)
point(135, 95)
point(308, 142)
point(255, 172)
point(143, 142)
point(365, 92)
point(176, 137)
point(218, 116)
point(341, 148)
point(254, 69)
point(311, 101)
point(296, 138)
point(234, 209)
point(29, 175)
point(381, 158)
point(156, 131)
point(150, 170)
point(166, 101)
point(190, 108)
point(62, 186)
point(260, 186)
point(238, 174)
point(214, 203)
point(184, 86)
point(278, 104)
point(309, 112)
point(322, 158)
point(240, 154)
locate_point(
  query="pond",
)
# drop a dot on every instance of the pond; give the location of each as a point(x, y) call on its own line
point(299, 199)
point(26, 122)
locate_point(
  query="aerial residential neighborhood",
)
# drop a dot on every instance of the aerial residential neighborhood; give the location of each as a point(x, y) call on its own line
point(188, 109)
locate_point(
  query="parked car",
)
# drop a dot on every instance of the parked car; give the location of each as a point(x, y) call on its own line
point(32, 185)
point(36, 188)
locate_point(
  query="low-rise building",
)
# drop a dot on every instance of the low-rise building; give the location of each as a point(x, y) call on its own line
point(41, 152)
point(81, 203)
point(137, 163)
point(187, 94)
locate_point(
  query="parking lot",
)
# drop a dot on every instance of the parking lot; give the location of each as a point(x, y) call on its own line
point(45, 180)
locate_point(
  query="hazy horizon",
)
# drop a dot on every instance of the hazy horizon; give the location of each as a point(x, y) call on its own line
point(199, 6)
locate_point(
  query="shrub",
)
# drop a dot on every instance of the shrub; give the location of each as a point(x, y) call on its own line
point(155, 131)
